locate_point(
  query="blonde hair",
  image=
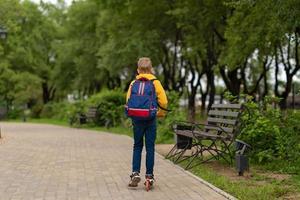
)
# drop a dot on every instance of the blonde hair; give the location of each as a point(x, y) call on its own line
point(145, 65)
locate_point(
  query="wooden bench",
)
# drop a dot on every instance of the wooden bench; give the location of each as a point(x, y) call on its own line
point(83, 118)
point(213, 138)
point(91, 114)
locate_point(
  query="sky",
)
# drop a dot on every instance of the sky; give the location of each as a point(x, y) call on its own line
point(52, 1)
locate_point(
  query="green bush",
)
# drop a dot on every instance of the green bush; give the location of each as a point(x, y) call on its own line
point(288, 139)
point(36, 110)
point(15, 112)
point(63, 110)
point(273, 134)
point(57, 110)
point(261, 131)
point(164, 131)
point(110, 107)
point(48, 111)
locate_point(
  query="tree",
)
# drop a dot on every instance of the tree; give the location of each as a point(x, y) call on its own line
point(28, 54)
point(202, 24)
point(271, 28)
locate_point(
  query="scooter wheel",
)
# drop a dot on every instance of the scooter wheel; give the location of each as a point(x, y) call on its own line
point(147, 185)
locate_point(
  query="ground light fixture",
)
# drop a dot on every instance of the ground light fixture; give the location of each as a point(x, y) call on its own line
point(241, 157)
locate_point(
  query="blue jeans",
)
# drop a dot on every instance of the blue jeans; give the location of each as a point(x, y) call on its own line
point(141, 129)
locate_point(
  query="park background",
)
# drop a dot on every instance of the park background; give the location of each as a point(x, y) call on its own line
point(57, 60)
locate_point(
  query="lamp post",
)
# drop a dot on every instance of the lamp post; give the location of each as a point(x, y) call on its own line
point(3, 36)
point(3, 33)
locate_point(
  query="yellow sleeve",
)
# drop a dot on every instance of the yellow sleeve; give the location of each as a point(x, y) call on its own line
point(161, 98)
point(129, 91)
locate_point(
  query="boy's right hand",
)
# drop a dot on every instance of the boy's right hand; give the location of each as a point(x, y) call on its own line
point(161, 113)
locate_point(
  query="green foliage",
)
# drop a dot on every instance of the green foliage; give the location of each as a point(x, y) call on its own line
point(261, 131)
point(15, 113)
point(48, 111)
point(26, 56)
point(257, 25)
point(288, 140)
point(60, 110)
point(64, 111)
point(36, 110)
point(164, 131)
point(77, 55)
point(110, 107)
point(273, 134)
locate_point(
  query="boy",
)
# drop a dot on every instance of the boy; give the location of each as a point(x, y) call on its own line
point(146, 128)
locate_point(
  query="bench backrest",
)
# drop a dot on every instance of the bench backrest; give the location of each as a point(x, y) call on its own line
point(226, 117)
point(92, 112)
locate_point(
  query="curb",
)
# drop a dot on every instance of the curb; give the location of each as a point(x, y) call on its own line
point(214, 188)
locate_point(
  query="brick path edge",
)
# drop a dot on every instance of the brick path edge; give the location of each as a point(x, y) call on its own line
point(211, 186)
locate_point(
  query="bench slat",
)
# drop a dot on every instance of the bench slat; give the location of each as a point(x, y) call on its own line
point(205, 135)
point(208, 135)
point(92, 112)
point(223, 113)
point(227, 106)
point(186, 133)
point(221, 120)
point(226, 129)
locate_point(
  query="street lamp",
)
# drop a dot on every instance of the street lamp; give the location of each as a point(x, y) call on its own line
point(3, 33)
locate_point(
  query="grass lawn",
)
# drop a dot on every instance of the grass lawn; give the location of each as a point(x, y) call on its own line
point(261, 183)
point(258, 184)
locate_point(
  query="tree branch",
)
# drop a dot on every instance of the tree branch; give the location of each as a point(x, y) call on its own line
point(296, 55)
point(283, 60)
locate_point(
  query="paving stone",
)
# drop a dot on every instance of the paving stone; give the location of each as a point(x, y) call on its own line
point(60, 163)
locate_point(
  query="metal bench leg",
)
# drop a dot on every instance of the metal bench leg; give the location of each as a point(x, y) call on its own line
point(174, 153)
point(182, 158)
point(170, 153)
point(179, 158)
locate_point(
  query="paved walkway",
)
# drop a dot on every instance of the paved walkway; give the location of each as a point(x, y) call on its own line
point(52, 162)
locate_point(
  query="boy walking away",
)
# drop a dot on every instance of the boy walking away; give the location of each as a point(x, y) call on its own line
point(146, 100)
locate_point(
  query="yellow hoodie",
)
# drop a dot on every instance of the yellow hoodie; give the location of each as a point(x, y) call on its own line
point(160, 93)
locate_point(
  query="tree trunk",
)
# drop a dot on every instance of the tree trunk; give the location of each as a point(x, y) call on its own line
point(212, 91)
point(192, 106)
point(203, 103)
point(46, 94)
point(266, 87)
point(231, 80)
point(192, 94)
point(285, 94)
point(289, 70)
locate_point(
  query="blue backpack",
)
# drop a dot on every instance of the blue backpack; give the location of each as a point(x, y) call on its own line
point(142, 103)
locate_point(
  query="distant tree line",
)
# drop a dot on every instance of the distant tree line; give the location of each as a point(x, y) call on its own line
point(53, 50)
